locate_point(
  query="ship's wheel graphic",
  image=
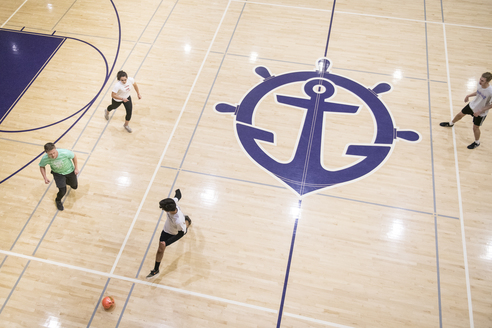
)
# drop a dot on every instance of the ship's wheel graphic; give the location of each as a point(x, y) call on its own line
point(305, 174)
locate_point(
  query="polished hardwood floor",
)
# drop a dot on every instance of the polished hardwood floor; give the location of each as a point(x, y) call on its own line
point(289, 230)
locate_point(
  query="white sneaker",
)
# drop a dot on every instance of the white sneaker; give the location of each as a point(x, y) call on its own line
point(128, 128)
point(106, 115)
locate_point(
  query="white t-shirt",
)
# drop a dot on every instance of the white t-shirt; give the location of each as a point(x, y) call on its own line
point(482, 99)
point(123, 90)
point(175, 222)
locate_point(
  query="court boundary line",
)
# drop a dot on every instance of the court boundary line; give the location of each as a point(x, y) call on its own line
point(365, 15)
point(289, 262)
point(63, 16)
point(319, 194)
point(169, 288)
point(334, 68)
point(15, 12)
point(433, 175)
point(458, 185)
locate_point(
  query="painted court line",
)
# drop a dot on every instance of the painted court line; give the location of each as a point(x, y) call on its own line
point(365, 15)
point(458, 185)
point(436, 233)
point(172, 289)
point(15, 12)
point(320, 194)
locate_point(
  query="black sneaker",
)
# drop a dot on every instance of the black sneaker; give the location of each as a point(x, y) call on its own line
point(473, 145)
point(152, 274)
point(187, 218)
point(59, 205)
point(446, 124)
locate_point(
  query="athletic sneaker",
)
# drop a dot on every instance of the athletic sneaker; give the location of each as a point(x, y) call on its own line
point(59, 205)
point(446, 124)
point(187, 218)
point(152, 274)
point(128, 128)
point(473, 145)
point(106, 114)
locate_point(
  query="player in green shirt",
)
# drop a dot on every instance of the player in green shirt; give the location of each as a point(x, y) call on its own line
point(63, 165)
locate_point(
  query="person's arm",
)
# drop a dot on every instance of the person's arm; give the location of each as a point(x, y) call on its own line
point(43, 173)
point(183, 227)
point(74, 160)
point(483, 110)
point(470, 95)
point(486, 108)
point(136, 89)
point(115, 96)
point(177, 194)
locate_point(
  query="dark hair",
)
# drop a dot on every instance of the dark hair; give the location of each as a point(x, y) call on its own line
point(168, 205)
point(487, 76)
point(49, 146)
point(121, 74)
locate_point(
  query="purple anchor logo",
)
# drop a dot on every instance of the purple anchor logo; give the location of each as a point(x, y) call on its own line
point(305, 173)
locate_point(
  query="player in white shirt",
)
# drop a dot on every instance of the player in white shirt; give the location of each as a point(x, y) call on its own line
point(478, 107)
point(175, 227)
point(121, 95)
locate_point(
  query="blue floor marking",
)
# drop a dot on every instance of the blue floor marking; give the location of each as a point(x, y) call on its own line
point(17, 49)
point(287, 271)
point(286, 281)
point(68, 193)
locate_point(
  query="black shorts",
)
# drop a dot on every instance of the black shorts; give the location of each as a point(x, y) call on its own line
point(478, 120)
point(62, 180)
point(169, 239)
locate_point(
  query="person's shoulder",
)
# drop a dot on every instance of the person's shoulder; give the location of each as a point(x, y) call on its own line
point(131, 80)
point(65, 152)
point(44, 159)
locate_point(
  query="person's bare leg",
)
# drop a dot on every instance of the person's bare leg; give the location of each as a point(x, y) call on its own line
point(160, 252)
point(476, 132)
point(458, 117)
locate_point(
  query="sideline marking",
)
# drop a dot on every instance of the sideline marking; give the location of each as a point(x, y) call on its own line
point(173, 289)
point(15, 12)
point(458, 184)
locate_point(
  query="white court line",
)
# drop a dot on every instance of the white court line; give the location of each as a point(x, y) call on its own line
point(15, 12)
point(458, 183)
point(331, 324)
point(361, 14)
point(173, 289)
point(169, 141)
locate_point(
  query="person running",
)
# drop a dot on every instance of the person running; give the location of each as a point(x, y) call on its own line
point(175, 227)
point(121, 95)
point(478, 108)
point(63, 165)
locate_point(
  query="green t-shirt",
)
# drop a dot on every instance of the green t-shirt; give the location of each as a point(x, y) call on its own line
point(62, 164)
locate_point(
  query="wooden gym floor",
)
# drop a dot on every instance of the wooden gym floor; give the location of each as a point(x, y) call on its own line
point(407, 244)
